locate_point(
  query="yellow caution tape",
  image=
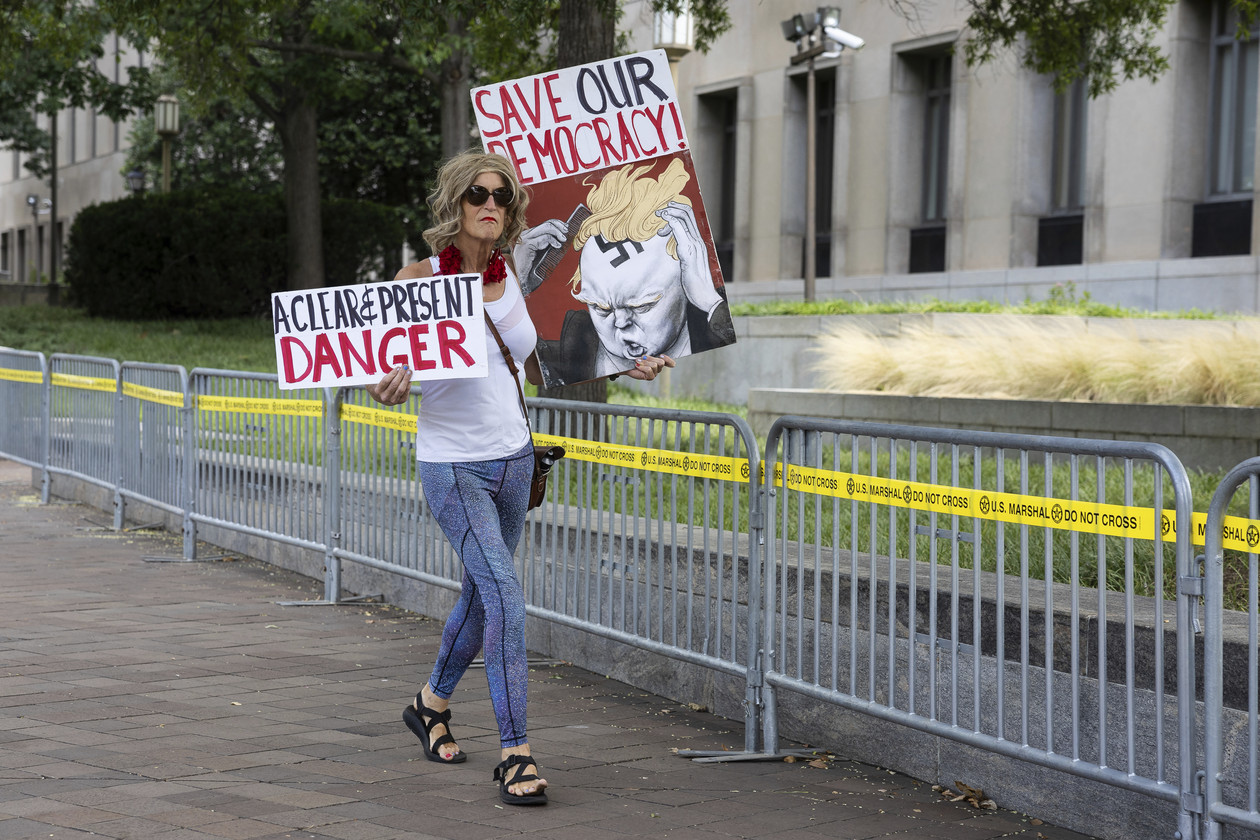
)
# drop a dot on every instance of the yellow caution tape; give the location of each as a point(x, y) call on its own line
point(1038, 511)
point(253, 405)
point(32, 376)
point(84, 383)
point(692, 464)
point(154, 395)
point(379, 417)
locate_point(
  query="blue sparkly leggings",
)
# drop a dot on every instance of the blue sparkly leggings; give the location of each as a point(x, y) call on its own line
point(481, 506)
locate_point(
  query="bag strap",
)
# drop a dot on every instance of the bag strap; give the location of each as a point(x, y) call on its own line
point(511, 363)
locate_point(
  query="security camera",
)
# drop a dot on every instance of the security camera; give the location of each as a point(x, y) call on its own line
point(843, 38)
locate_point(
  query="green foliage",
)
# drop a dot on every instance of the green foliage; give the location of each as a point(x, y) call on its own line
point(183, 255)
point(362, 241)
point(229, 344)
point(1100, 42)
point(211, 254)
point(1061, 301)
point(49, 55)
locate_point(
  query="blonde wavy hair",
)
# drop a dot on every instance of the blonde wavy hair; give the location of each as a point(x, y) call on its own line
point(446, 198)
point(623, 206)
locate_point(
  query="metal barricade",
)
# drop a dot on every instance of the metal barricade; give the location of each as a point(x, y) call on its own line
point(24, 410)
point(154, 450)
point(385, 522)
point(651, 533)
point(1232, 778)
point(259, 465)
point(83, 401)
point(944, 580)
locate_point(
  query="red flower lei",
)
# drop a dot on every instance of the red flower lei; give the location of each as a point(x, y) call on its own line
point(450, 261)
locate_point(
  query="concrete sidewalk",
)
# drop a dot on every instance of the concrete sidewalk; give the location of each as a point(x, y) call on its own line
point(178, 701)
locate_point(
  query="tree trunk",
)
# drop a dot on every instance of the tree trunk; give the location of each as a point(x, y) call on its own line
point(298, 137)
point(586, 33)
point(456, 72)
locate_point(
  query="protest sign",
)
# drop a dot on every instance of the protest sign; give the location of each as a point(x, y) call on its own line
point(353, 335)
point(582, 119)
point(617, 261)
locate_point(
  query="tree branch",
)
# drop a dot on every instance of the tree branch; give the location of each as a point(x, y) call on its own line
point(384, 59)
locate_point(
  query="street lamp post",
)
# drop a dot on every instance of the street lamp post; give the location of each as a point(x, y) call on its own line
point(135, 182)
point(166, 123)
point(822, 37)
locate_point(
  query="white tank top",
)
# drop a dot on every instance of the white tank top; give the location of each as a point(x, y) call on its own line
point(480, 419)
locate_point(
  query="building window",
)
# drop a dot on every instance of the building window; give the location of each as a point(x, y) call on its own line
point(1060, 236)
point(927, 242)
point(6, 256)
point(1226, 228)
point(721, 116)
point(20, 271)
point(824, 166)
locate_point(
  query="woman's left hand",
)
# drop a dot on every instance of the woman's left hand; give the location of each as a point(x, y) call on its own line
point(649, 366)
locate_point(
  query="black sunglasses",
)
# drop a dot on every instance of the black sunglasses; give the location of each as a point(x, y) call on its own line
point(476, 195)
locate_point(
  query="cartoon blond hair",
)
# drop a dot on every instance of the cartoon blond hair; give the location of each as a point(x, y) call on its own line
point(623, 207)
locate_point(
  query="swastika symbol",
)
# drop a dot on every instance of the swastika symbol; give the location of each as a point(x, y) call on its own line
point(619, 247)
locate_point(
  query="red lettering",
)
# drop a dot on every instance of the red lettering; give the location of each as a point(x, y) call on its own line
point(673, 111)
point(516, 159)
point(571, 165)
point(605, 140)
point(324, 355)
point(586, 164)
point(481, 109)
point(541, 150)
point(554, 100)
point(451, 340)
point(627, 137)
point(287, 344)
point(348, 351)
point(656, 123)
point(496, 147)
point(509, 110)
point(419, 362)
point(646, 150)
point(537, 112)
point(383, 351)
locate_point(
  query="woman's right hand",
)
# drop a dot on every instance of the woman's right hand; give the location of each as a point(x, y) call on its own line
point(394, 387)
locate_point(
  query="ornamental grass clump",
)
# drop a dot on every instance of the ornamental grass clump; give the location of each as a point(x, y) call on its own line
point(1010, 357)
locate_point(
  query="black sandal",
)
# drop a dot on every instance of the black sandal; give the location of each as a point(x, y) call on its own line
point(504, 770)
point(424, 731)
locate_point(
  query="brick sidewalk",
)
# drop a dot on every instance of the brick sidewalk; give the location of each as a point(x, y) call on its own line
point(179, 702)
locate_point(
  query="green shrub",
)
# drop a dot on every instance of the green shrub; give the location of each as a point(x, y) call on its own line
point(212, 254)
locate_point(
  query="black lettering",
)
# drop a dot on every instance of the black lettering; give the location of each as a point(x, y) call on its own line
point(584, 74)
point(278, 317)
point(399, 295)
point(383, 295)
point(339, 312)
point(412, 302)
point(323, 310)
point(352, 307)
point(641, 70)
point(608, 86)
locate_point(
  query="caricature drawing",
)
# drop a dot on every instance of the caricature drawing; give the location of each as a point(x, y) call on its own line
point(643, 275)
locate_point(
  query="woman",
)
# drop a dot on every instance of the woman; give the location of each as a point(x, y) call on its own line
point(475, 464)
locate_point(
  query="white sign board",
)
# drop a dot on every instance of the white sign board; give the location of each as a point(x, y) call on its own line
point(583, 119)
point(353, 335)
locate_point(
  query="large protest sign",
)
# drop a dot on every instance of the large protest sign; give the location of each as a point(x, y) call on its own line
point(618, 259)
point(353, 335)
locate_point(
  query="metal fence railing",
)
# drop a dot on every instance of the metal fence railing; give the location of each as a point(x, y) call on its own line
point(82, 430)
point(24, 410)
point(1028, 596)
point(1232, 781)
point(922, 576)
